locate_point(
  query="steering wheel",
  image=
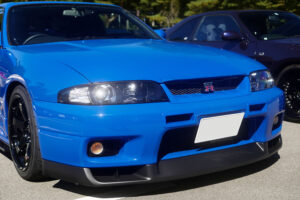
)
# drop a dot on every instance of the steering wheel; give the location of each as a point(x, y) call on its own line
point(34, 37)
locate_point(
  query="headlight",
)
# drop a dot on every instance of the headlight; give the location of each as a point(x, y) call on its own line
point(108, 93)
point(261, 80)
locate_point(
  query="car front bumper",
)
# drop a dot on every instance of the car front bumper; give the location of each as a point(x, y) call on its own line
point(65, 132)
point(165, 170)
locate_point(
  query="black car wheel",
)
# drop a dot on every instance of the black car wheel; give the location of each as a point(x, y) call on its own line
point(23, 140)
point(289, 82)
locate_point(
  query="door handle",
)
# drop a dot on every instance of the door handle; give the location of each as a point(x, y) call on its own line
point(259, 53)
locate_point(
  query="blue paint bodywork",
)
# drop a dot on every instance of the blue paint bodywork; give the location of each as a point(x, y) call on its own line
point(65, 130)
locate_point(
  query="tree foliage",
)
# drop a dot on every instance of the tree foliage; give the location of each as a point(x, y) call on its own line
point(197, 6)
point(164, 13)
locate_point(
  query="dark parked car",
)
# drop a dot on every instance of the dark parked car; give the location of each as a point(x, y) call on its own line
point(271, 37)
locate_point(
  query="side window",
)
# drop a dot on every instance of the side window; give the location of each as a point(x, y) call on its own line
point(185, 31)
point(211, 28)
point(256, 23)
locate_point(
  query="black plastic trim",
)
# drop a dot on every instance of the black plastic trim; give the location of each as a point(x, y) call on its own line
point(178, 118)
point(256, 107)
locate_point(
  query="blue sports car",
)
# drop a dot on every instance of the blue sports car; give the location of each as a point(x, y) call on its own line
point(91, 95)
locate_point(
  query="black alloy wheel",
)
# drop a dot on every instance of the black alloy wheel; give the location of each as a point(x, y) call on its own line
point(23, 140)
point(20, 133)
point(290, 84)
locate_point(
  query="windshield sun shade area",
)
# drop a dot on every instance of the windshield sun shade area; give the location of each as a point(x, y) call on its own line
point(53, 23)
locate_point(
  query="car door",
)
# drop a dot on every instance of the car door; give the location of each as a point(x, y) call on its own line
point(210, 29)
point(257, 24)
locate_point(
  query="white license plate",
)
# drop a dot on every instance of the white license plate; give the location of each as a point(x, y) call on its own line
point(219, 127)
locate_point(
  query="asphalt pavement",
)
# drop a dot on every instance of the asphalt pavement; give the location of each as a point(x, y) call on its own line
point(275, 178)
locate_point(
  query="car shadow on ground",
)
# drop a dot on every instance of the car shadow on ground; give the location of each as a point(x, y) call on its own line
point(169, 187)
point(4, 150)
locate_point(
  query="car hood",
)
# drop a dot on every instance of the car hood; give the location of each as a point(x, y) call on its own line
point(124, 59)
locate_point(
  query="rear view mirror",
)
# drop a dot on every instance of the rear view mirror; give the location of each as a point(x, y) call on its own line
point(72, 13)
point(231, 36)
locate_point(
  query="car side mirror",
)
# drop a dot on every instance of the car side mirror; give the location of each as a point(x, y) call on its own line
point(161, 33)
point(231, 36)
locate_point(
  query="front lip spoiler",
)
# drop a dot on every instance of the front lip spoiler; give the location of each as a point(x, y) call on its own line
point(165, 170)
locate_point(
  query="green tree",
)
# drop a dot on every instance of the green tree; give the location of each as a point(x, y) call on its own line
point(199, 6)
point(168, 12)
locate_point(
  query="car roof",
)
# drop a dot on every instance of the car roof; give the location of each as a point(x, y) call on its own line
point(10, 4)
point(235, 11)
point(231, 12)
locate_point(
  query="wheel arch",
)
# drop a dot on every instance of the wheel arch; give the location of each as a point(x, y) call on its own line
point(281, 68)
point(10, 89)
point(12, 83)
point(287, 73)
point(32, 172)
point(285, 69)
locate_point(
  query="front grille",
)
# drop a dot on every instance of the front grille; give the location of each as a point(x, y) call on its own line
point(181, 139)
point(197, 86)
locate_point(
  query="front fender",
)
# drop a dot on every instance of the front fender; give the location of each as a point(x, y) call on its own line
point(43, 77)
point(41, 84)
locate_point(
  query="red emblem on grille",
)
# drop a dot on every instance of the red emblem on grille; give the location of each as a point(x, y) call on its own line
point(208, 87)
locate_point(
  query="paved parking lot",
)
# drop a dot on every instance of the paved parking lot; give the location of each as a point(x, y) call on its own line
point(275, 178)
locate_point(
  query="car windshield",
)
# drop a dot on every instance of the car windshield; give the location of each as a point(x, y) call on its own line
point(272, 25)
point(42, 23)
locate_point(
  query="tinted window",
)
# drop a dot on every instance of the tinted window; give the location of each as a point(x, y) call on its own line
point(272, 25)
point(185, 31)
point(212, 27)
point(52, 22)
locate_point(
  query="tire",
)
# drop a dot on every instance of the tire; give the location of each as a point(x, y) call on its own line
point(23, 139)
point(289, 81)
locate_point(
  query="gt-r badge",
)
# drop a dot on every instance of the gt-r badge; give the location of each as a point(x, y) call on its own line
point(209, 87)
